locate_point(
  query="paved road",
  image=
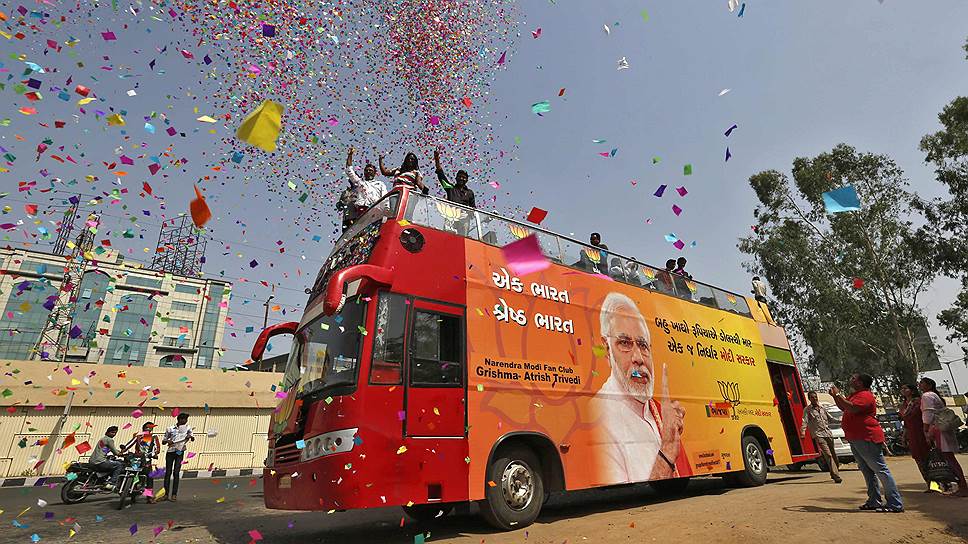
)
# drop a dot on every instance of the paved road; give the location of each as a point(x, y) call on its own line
point(792, 507)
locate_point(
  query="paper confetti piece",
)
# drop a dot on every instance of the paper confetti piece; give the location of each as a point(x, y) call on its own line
point(261, 127)
point(541, 107)
point(199, 209)
point(676, 210)
point(524, 256)
point(724, 91)
point(660, 191)
point(682, 191)
point(537, 215)
point(730, 130)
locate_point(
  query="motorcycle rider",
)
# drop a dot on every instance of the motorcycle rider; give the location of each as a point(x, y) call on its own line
point(146, 445)
point(102, 463)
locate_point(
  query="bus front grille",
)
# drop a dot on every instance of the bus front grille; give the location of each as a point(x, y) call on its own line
point(284, 455)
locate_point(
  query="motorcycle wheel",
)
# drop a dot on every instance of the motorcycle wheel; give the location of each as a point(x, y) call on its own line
point(125, 491)
point(69, 493)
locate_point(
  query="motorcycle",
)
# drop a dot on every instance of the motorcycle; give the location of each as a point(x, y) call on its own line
point(895, 442)
point(89, 481)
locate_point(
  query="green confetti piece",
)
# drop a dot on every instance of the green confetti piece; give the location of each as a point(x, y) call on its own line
point(645, 16)
point(687, 170)
point(480, 388)
point(328, 400)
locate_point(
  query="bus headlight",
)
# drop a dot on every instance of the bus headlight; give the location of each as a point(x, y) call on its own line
point(328, 443)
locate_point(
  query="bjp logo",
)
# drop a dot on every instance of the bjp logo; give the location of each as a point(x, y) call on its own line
point(450, 213)
point(518, 231)
point(593, 255)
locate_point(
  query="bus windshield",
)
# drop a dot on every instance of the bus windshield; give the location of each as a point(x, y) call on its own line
point(325, 352)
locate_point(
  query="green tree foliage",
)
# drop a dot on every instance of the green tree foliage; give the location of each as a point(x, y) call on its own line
point(811, 260)
point(946, 230)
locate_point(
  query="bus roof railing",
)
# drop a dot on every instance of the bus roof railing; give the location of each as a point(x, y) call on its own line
point(469, 222)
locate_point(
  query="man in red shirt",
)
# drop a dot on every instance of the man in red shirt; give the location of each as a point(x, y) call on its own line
point(866, 439)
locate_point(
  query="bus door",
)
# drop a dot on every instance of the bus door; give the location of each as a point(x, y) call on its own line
point(790, 402)
point(435, 398)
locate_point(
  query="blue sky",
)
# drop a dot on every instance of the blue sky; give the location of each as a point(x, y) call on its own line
point(804, 76)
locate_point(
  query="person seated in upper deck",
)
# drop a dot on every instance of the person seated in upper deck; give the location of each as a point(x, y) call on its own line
point(616, 270)
point(459, 193)
point(408, 175)
point(665, 277)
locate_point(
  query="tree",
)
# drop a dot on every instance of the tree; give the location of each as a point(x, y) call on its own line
point(946, 230)
point(846, 284)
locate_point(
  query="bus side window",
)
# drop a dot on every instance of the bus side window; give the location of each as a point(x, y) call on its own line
point(437, 350)
point(391, 319)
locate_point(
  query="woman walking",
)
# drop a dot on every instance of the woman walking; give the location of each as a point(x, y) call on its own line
point(910, 413)
point(947, 441)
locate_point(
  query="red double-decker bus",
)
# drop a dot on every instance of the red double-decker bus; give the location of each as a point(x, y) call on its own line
point(425, 374)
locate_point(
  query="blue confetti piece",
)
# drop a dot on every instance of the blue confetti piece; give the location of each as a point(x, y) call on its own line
point(35, 537)
point(300, 444)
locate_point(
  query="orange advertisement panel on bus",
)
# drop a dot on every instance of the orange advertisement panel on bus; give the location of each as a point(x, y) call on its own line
point(629, 384)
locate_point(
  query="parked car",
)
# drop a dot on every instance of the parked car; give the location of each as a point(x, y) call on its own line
point(841, 447)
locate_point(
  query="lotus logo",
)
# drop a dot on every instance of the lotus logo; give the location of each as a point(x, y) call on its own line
point(518, 231)
point(730, 393)
point(593, 255)
point(649, 272)
point(450, 213)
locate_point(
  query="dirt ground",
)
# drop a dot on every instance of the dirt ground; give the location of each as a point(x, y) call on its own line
point(793, 507)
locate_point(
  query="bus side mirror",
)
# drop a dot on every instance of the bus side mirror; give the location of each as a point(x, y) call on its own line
point(260, 344)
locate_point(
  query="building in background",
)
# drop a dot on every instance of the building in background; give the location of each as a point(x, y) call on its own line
point(125, 314)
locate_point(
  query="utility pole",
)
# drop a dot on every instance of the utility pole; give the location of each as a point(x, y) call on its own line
point(953, 384)
point(52, 344)
point(265, 320)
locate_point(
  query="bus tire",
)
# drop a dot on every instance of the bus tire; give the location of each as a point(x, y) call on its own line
point(754, 464)
point(427, 512)
point(514, 492)
point(670, 487)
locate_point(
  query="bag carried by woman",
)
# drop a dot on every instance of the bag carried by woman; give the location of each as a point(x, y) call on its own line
point(937, 468)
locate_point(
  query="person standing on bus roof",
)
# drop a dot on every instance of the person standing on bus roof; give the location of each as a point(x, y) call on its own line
point(365, 192)
point(594, 260)
point(681, 268)
point(408, 175)
point(458, 193)
point(665, 277)
point(818, 419)
point(641, 437)
point(866, 438)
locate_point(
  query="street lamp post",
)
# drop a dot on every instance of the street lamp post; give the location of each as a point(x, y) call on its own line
point(265, 319)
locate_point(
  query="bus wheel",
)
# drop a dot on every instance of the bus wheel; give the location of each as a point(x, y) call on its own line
point(427, 512)
point(515, 491)
point(670, 487)
point(754, 459)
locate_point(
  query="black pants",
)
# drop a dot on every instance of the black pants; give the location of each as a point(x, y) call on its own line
point(173, 461)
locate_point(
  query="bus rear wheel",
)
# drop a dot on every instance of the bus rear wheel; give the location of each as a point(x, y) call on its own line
point(754, 461)
point(514, 492)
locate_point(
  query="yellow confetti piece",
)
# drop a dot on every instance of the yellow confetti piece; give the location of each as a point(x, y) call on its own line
point(479, 312)
point(84, 101)
point(480, 388)
point(331, 511)
point(207, 119)
point(409, 503)
point(116, 120)
point(436, 412)
point(400, 450)
point(403, 223)
point(261, 127)
point(599, 351)
point(220, 499)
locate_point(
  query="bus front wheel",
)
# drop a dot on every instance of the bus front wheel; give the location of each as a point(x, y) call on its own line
point(514, 490)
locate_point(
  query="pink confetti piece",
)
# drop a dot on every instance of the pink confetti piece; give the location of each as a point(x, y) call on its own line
point(676, 210)
point(679, 244)
point(682, 191)
point(524, 256)
point(109, 36)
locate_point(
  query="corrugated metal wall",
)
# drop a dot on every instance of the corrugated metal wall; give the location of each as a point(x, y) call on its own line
point(239, 441)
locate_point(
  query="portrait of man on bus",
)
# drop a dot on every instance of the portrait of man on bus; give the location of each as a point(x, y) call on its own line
point(640, 437)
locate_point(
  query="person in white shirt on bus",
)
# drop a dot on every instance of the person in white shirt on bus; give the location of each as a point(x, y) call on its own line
point(176, 438)
point(365, 192)
point(642, 439)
